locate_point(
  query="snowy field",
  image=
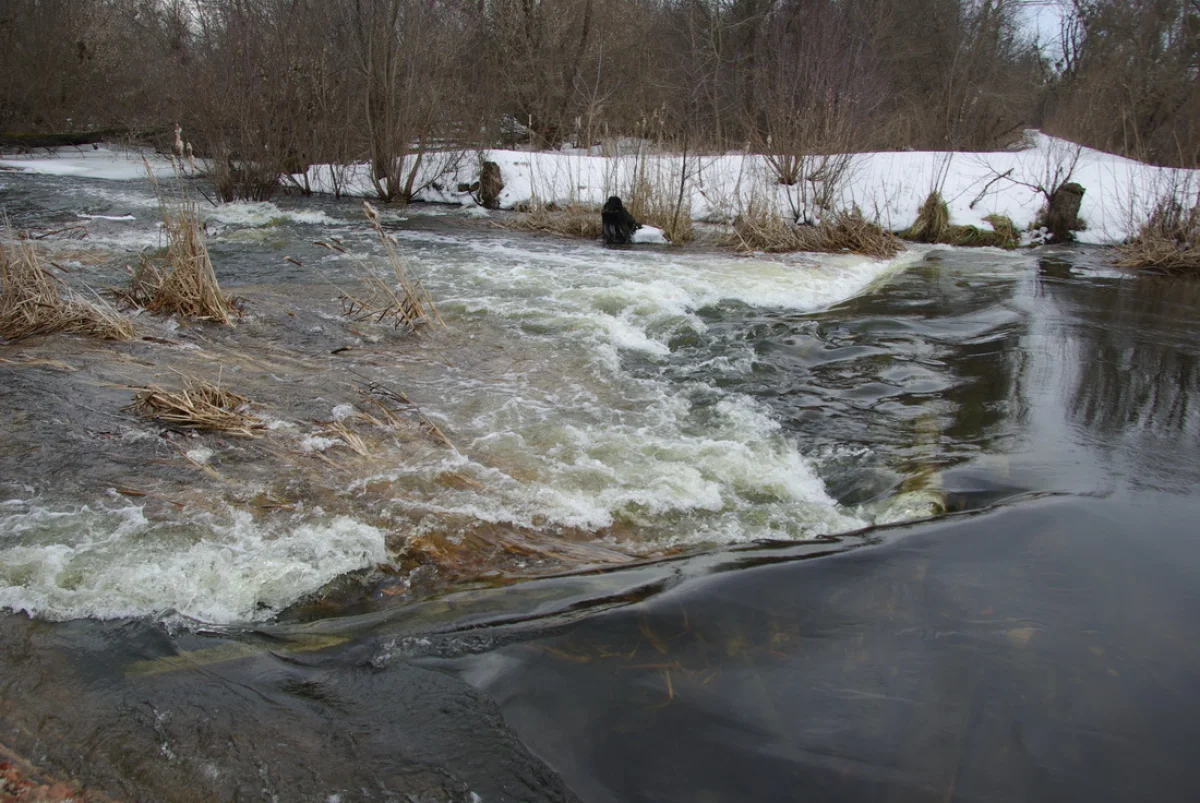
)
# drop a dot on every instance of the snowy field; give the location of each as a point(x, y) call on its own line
point(888, 186)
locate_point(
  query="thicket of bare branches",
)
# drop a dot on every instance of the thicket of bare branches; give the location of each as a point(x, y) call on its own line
point(1129, 79)
point(265, 88)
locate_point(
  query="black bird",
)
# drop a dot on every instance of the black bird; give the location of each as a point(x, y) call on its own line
point(619, 225)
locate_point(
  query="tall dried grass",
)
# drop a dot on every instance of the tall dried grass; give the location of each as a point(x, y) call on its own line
point(34, 302)
point(761, 228)
point(570, 220)
point(183, 282)
point(654, 203)
point(1168, 242)
point(405, 302)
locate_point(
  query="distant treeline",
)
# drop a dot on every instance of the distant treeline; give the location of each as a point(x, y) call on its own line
point(279, 84)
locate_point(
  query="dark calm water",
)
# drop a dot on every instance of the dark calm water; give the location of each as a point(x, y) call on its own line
point(1038, 642)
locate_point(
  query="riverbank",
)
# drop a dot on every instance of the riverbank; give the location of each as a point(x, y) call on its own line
point(888, 187)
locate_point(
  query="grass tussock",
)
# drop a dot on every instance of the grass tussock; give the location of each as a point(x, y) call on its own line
point(763, 229)
point(200, 405)
point(1168, 242)
point(570, 220)
point(186, 284)
point(35, 302)
point(933, 226)
point(402, 301)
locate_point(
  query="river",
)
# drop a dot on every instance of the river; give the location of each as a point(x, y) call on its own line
point(661, 553)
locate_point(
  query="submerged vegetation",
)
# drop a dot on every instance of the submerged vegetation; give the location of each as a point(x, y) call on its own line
point(200, 405)
point(402, 301)
point(183, 282)
point(35, 302)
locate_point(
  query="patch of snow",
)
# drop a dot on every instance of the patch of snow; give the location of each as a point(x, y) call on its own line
point(888, 186)
point(649, 235)
point(91, 162)
point(104, 217)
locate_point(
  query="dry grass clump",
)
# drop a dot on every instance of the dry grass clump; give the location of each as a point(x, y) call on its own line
point(763, 229)
point(933, 226)
point(1168, 242)
point(405, 302)
point(33, 302)
point(932, 223)
point(186, 284)
point(570, 220)
point(200, 405)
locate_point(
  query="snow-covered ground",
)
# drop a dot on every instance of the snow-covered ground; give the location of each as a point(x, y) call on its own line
point(887, 186)
point(90, 161)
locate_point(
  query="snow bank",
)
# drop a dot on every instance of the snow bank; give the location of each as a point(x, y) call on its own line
point(888, 186)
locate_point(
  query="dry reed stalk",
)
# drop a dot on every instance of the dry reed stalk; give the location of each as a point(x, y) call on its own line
point(188, 286)
point(571, 220)
point(200, 405)
point(932, 221)
point(411, 307)
point(655, 204)
point(34, 302)
point(1168, 242)
point(353, 440)
point(761, 229)
point(144, 283)
point(378, 389)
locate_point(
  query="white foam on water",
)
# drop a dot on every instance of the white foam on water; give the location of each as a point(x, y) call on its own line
point(343, 411)
point(721, 474)
point(264, 213)
point(116, 218)
point(110, 562)
point(571, 437)
point(572, 425)
point(317, 443)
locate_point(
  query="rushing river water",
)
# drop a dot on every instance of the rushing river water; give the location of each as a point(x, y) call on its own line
point(636, 568)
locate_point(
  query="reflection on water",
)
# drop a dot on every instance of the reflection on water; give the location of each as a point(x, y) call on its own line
point(1136, 371)
point(1037, 653)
